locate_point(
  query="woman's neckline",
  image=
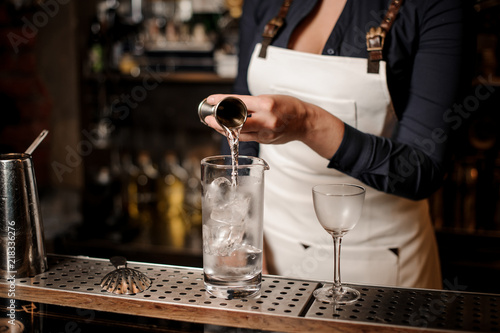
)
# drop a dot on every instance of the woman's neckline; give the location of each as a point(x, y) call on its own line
point(314, 31)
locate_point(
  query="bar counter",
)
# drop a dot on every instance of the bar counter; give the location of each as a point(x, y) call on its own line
point(177, 296)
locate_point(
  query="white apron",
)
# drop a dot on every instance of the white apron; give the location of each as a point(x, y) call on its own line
point(393, 243)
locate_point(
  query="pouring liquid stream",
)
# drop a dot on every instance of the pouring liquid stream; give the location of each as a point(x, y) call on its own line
point(230, 113)
point(233, 139)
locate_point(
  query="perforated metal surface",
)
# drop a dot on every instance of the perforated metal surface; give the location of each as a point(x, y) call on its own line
point(443, 310)
point(400, 308)
point(172, 284)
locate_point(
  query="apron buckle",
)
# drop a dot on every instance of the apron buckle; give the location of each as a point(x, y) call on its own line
point(272, 27)
point(375, 39)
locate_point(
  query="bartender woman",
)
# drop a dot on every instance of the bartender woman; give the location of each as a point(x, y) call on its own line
point(321, 112)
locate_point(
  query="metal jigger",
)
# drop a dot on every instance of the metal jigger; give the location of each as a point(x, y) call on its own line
point(230, 112)
point(22, 250)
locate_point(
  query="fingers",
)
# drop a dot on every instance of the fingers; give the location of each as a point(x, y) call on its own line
point(216, 98)
point(210, 120)
point(261, 124)
point(251, 102)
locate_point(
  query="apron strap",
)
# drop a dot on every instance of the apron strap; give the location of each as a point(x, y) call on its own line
point(273, 26)
point(375, 37)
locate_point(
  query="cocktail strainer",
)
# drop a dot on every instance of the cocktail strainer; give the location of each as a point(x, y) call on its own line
point(124, 280)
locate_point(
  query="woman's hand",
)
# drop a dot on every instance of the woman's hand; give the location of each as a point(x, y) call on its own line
point(278, 119)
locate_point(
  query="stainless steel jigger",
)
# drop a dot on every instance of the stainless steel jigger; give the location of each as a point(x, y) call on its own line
point(230, 112)
point(22, 251)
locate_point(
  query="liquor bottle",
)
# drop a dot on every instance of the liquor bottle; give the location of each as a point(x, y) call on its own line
point(172, 225)
point(142, 197)
point(192, 203)
point(96, 47)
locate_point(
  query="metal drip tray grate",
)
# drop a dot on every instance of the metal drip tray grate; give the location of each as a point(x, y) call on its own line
point(284, 304)
point(172, 285)
point(441, 310)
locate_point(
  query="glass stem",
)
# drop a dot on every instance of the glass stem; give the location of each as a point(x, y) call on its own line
point(337, 285)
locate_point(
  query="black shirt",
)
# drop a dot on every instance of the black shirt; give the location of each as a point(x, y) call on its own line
point(424, 55)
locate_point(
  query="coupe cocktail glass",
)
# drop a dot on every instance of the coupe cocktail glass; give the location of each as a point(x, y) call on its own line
point(338, 208)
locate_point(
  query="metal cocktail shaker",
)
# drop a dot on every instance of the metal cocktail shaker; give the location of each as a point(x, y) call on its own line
point(22, 250)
